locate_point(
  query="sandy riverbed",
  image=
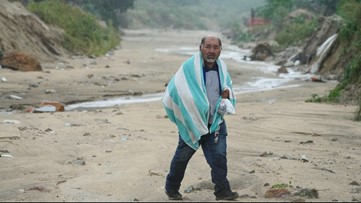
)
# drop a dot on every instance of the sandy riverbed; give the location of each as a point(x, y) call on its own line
point(123, 153)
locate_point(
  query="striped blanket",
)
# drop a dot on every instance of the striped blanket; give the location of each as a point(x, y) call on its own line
point(185, 100)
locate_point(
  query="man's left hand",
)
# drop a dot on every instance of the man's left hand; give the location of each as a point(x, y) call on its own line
point(225, 94)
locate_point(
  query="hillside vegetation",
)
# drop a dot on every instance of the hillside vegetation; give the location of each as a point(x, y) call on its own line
point(82, 32)
point(293, 24)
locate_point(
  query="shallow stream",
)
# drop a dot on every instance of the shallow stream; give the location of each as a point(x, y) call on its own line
point(228, 52)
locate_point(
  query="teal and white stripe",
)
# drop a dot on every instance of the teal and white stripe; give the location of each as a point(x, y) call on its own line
point(185, 100)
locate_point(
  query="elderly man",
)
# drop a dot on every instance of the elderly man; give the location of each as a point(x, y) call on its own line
point(192, 101)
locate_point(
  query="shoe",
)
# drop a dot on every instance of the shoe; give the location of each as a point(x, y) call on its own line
point(228, 196)
point(174, 195)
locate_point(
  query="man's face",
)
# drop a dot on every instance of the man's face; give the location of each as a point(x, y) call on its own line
point(210, 49)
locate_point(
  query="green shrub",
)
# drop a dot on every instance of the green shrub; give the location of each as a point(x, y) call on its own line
point(83, 34)
point(315, 98)
point(295, 32)
point(280, 186)
point(358, 111)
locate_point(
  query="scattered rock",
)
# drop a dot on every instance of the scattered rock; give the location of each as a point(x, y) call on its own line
point(261, 52)
point(264, 154)
point(38, 188)
point(355, 183)
point(283, 69)
point(248, 196)
point(306, 192)
point(78, 161)
point(307, 142)
point(20, 61)
point(50, 91)
point(277, 193)
point(154, 173)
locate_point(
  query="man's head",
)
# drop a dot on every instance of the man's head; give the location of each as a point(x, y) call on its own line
point(210, 48)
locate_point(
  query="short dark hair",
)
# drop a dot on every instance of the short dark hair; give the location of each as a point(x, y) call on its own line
point(205, 37)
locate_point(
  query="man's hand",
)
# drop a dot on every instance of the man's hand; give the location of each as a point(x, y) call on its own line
point(225, 94)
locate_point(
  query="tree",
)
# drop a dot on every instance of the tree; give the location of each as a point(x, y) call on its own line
point(107, 10)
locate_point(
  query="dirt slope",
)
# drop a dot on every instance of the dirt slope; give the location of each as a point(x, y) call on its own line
point(23, 31)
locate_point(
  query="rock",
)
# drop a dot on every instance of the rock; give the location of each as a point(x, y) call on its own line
point(283, 69)
point(306, 192)
point(79, 161)
point(355, 183)
point(277, 193)
point(21, 62)
point(50, 91)
point(261, 52)
point(22, 30)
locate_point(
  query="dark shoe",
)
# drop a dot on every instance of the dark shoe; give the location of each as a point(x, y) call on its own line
point(174, 195)
point(227, 196)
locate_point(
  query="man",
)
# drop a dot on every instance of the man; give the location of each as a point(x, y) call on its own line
point(191, 101)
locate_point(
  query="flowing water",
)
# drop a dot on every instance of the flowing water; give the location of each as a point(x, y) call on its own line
point(228, 52)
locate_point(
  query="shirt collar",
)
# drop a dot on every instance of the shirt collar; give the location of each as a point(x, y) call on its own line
point(215, 68)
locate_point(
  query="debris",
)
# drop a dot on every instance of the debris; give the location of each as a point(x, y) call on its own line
point(6, 155)
point(154, 173)
point(14, 97)
point(10, 138)
point(58, 106)
point(45, 109)
point(264, 154)
point(39, 188)
point(248, 196)
point(304, 158)
point(78, 161)
point(325, 169)
point(317, 79)
point(50, 91)
point(11, 121)
point(191, 189)
point(307, 142)
point(124, 138)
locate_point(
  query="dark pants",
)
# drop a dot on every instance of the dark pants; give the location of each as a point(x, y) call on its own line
point(216, 156)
